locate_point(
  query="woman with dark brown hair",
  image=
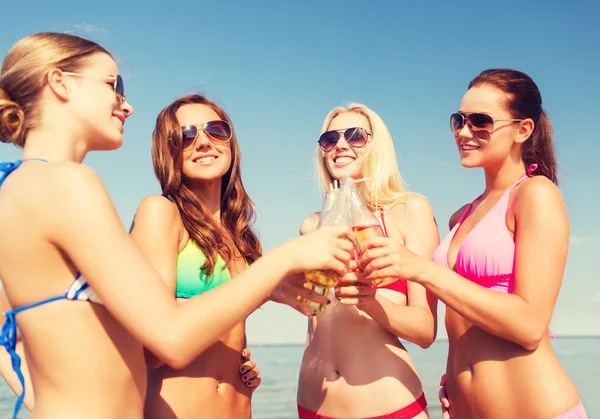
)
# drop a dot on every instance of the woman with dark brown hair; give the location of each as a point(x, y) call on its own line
point(198, 234)
point(500, 269)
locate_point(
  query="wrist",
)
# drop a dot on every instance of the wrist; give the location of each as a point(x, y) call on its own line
point(424, 273)
point(368, 304)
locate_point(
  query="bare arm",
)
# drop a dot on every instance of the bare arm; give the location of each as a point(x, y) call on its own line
point(85, 225)
point(156, 230)
point(6, 368)
point(416, 321)
point(541, 239)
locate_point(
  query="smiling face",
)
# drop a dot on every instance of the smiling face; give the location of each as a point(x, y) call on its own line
point(343, 158)
point(480, 148)
point(93, 101)
point(205, 160)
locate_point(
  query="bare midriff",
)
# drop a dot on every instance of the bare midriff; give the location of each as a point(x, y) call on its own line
point(209, 387)
point(489, 377)
point(352, 367)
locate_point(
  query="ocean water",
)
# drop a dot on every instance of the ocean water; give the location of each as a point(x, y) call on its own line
point(279, 366)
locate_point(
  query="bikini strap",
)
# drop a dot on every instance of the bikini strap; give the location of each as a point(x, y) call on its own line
point(530, 170)
point(8, 339)
point(383, 222)
point(6, 168)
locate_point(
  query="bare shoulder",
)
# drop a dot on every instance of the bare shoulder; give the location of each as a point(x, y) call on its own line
point(456, 216)
point(310, 223)
point(157, 215)
point(539, 193)
point(158, 206)
point(412, 206)
point(72, 183)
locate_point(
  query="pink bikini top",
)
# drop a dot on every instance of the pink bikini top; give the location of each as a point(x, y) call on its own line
point(487, 254)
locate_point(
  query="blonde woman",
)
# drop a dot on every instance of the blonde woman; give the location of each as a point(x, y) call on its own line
point(354, 364)
point(61, 97)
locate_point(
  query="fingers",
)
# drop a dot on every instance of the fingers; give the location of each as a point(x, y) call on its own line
point(251, 378)
point(247, 366)
point(372, 254)
point(376, 241)
point(253, 383)
point(311, 295)
point(246, 354)
point(375, 267)
point(352, 295)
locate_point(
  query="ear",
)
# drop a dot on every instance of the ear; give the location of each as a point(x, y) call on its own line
point(525, 130)
point(57, 84)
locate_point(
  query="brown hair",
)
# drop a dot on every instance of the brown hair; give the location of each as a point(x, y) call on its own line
point(23, 76)
point(237, 210)
point(523, 100)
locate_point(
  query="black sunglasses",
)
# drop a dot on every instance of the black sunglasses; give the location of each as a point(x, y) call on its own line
point(116, 83)
point(476, 122)
point(217, 130)
point(355, 137)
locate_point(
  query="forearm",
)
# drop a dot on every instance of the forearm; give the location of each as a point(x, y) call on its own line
point(205, 318)
point(411, 323)
point(507, 316)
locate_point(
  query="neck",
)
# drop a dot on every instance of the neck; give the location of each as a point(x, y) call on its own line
point(500, 178)
point(211, 195)
point(53, 145)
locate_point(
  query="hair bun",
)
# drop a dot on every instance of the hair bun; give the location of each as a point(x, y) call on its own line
point(11, 120)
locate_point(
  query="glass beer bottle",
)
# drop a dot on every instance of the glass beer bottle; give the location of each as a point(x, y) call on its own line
point(334, 212)
point(364, 224)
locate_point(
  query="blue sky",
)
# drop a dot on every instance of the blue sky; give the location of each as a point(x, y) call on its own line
point(278, 68)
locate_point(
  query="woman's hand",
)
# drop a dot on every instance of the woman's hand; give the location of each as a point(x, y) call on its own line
point(326, 249)
point(293, 292)
point(249, 373)
point(444, 402)
point(354, 290)
point(385, 257)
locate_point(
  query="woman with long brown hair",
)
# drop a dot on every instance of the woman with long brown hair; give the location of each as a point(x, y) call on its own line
point(198, 234)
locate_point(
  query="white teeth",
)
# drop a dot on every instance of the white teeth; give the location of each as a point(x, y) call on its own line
point(344, 160)
point(469, 147)
point(205, 159)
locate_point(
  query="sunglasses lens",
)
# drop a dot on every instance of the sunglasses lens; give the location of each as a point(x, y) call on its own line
point(481, 122)
point(457, 122)
point(328, 140)
point(188, 135)
point(120, 88)
point(219, 130)
point(356, 137)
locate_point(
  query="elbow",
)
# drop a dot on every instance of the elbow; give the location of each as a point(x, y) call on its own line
point(531, 338)
point(426, 340)
point(172, 352)
point(531, 343)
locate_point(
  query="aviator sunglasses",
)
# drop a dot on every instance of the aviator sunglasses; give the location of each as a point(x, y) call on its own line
point(476, 122)
point(116, 83)
point(217, 130)
point(355, 137)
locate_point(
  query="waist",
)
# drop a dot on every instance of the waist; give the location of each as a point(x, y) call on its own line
point(352, 361)
point(191, 396)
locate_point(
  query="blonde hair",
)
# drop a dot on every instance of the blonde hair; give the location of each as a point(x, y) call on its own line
point(23, 76)
point(383, 185)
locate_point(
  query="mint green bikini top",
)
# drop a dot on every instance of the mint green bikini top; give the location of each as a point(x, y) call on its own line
point(191, 280)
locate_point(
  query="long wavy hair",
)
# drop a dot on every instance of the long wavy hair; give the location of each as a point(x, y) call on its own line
point(238, 212)
point(383, 185)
